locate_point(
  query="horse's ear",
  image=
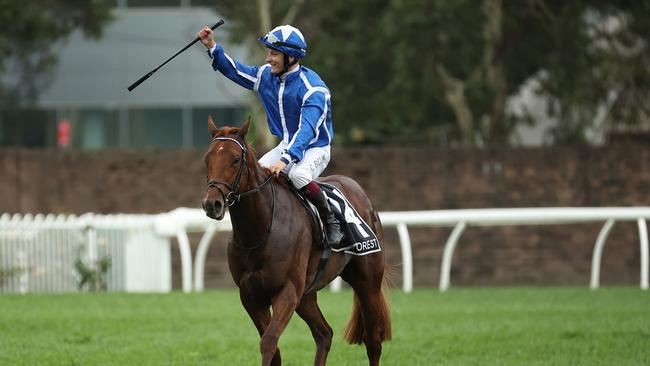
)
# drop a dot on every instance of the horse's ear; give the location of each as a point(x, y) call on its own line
point(211, 127)
point(244, 129)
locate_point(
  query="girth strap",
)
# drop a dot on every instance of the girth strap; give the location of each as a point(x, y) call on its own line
point(327, 251)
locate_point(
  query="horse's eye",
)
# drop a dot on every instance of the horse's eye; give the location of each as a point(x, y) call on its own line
point(236, 160)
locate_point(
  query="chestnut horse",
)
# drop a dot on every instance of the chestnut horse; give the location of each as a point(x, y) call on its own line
point(274, 252)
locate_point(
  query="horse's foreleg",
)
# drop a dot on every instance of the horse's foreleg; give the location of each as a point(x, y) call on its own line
point(261, 317)
point(321, 331)
point(283, 304)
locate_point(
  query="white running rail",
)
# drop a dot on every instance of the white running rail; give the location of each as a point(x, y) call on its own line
point(132, 239)
point(461, 219)
point(195, 220)
point(38, 253)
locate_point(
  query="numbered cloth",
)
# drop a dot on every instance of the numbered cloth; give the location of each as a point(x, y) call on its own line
point(359, 239)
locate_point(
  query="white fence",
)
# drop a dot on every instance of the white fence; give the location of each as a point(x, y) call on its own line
point(461, 219)
point(45, 247)
point(38, 253)
point(194, 220)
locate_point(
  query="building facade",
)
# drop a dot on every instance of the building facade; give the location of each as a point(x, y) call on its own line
point(86, 105)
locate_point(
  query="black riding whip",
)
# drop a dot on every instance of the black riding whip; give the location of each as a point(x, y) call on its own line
point(146, 76)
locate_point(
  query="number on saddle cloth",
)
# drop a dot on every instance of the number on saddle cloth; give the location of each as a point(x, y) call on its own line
point(359, 239)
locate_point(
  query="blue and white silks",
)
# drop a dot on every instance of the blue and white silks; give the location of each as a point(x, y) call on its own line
point(297, 104)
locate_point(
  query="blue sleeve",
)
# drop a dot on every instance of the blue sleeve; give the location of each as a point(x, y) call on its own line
point(312, 114)
point(236, 71)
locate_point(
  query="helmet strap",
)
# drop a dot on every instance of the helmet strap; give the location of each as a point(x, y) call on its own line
point(288, 64)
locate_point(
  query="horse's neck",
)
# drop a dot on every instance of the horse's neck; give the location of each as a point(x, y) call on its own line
point(252, 216)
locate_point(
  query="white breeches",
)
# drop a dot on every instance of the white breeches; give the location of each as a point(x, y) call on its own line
point(311, 166)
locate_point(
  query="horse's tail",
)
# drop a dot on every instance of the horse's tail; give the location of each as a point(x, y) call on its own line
point(378, 307)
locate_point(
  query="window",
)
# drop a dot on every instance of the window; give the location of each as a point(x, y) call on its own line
point(97, 129)
point(27, 128)
point(156, 128)
point(220, 116)
point(202, 2)
point(152, 3)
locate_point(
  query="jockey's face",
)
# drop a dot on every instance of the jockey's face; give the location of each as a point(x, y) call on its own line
point(276, 60)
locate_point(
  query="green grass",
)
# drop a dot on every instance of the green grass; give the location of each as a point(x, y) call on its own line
point(471, 326)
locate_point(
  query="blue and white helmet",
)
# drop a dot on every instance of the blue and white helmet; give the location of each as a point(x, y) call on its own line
point(286, 39)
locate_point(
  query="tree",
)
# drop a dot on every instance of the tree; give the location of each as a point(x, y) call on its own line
point(29, 38)
point(605, 84)
point(442, 71)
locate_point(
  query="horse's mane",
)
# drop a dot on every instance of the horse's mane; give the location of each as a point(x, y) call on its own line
point(233, 132)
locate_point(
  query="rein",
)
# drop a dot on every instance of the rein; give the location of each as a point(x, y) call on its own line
point(233, 196)
point(268, 231)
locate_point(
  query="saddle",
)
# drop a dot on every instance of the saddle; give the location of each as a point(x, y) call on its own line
point(358, 238)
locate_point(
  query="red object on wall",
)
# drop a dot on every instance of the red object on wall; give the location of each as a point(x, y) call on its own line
point(64, 133)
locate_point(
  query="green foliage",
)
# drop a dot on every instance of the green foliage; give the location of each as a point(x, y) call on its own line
point(32, 32)
point(9, 273)
point(379, 58)
point(465, 326)
point(245, 16)
point(93, 278)
point(383, 61)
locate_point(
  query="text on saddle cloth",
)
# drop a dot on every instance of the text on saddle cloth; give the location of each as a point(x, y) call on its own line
point(359, 239)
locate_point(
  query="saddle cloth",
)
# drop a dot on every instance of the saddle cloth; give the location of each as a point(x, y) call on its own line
point(359, 239)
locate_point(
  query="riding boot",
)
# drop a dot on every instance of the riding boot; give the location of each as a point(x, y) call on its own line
point(332, 224)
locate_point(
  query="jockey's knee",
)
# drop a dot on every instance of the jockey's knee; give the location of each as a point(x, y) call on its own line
point(300, 177)
point(266, 162)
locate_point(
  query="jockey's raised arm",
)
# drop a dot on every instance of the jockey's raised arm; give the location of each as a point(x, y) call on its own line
point(298, 109)
point(242, 74)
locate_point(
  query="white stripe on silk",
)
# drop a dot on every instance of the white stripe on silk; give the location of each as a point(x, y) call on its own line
point(311, 90)
point(285, 130)
point(240, 73)
point(256, 87)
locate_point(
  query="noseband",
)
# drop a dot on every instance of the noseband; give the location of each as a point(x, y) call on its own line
point(233, 195)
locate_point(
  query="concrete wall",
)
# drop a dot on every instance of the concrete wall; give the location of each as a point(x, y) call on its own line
point(396, 179)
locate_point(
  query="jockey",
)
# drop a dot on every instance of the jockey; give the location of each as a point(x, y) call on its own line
point(298, 110)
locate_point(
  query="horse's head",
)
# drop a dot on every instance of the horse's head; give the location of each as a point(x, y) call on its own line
point(226, 160)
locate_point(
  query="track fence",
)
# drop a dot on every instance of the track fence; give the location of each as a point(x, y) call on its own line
point(39, 253)
point(42, 253)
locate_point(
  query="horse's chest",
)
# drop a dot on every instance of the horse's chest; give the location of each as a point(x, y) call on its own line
point(251, 279)
point(257, 281)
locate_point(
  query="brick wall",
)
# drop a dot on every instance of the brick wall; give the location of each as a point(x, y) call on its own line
point(396, 179)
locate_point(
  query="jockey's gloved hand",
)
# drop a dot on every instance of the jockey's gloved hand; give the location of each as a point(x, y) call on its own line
point(287, 169)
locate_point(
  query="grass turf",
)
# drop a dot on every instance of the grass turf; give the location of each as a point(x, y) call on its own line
point(465, 326)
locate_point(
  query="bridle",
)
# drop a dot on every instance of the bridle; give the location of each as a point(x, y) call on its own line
point(233, 195)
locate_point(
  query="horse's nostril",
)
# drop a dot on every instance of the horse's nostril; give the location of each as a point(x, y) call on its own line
point(217, 206)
